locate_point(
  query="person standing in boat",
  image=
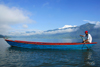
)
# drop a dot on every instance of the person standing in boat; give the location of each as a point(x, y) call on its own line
point(88, 37)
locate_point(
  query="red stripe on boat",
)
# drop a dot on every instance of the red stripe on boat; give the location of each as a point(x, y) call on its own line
point(48, 43)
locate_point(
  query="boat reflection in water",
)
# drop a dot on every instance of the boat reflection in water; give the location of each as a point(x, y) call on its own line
point(40, 57)
point(88, 58)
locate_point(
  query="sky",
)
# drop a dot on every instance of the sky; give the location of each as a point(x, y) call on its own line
point(19, 16)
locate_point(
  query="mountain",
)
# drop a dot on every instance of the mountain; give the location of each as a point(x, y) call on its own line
point(1, 36)
point(95, 32)
point(74, 33)
point(70, 32)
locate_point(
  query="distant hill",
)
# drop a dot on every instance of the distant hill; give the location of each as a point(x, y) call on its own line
point(95, 32)
point(1, 36)
point(70, 32)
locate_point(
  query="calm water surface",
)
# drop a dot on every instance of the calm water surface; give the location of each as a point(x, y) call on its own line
point(21, 57)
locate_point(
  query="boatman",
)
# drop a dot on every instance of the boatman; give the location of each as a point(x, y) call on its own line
point(88, 37)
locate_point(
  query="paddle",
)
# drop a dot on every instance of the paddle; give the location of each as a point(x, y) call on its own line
point(84, 42)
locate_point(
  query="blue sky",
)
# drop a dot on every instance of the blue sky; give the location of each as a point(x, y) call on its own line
point(42, 15)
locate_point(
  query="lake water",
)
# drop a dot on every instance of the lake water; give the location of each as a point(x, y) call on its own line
point(21, 57)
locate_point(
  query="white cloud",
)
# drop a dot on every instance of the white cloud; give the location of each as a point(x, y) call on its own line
point(97, 23)
point(22, 32)
point(93, 22)
point(4, 29)
point(11, 16)
point(14, 16)
point(67, 26)
point(62, 31)
point(25, 26)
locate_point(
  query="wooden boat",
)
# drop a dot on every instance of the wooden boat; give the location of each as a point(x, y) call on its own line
point(47, 45)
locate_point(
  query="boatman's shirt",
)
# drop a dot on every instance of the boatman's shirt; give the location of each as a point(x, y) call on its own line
point(89, 37)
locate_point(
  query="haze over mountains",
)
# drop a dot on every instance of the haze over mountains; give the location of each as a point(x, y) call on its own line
point(69, 32)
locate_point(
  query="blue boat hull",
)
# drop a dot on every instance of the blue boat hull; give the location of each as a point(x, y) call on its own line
point(48, 46)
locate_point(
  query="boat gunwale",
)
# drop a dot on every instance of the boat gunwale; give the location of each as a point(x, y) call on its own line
point(48, 43)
